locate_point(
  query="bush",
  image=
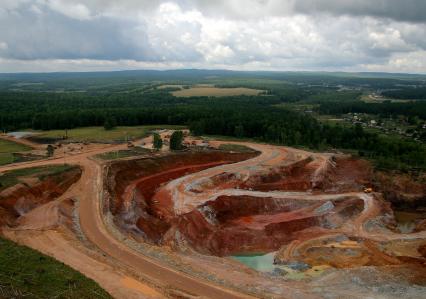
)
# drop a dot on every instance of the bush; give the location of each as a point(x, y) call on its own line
point(50, 150)
point(158, 142)
point(109, 123)
point(176, 141)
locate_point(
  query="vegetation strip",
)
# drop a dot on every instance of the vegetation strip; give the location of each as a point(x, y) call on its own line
point(25, 273)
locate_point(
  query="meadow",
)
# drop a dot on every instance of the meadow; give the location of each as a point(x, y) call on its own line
point(7, 148)
point(210, 91)
point(25, 273)
point(99, 134)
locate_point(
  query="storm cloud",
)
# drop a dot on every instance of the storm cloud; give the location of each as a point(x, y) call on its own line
point(348, 35)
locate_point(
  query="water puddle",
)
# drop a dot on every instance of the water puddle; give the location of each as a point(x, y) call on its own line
point(294, 271)
point(406, 221)
point(258, 262)
point(19, 135)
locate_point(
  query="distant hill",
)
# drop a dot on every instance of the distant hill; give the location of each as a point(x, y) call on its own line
point(196, 73)
point(86, 81)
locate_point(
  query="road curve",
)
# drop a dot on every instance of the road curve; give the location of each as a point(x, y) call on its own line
point(95, 230)
point(89, 189)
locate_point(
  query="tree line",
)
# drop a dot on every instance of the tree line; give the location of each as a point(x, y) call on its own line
point(249, 117)
point(410, 93)
point(385, 109)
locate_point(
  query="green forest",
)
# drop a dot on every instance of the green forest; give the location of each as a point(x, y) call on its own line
point(249, 117)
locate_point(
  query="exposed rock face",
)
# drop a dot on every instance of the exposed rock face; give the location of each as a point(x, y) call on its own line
point(131, 186)
point(404, 191)
point(342, 251)
point(311, 209)
point(244, 224)
point(22, 198)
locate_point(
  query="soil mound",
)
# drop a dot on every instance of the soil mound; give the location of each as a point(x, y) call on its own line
point(32, 192)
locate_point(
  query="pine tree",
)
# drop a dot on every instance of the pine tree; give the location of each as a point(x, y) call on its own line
point(50, 150)
point(109, 123)
point(176, 141)
point(158, 142)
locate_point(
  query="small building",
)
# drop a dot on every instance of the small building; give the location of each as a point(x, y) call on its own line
point(203, 145)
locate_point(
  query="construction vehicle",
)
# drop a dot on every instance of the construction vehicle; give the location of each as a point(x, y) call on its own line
point(368, 190)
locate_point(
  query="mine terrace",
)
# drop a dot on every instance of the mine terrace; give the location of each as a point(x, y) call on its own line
point(227, 219)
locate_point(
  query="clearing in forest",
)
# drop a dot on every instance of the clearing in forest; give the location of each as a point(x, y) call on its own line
point(210, 91)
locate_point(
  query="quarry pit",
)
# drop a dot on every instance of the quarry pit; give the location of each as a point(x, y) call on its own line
point(309, 212)
point(315, 219)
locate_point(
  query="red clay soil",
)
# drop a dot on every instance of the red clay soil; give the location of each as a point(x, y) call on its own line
point(132, 185)
point(309, 207)
point(404, 191)
point(272, 222)
point(340, 174)
point(342, 251)
point(88, 190)
point(244, 224)
point(24, 197)
point(263, 222)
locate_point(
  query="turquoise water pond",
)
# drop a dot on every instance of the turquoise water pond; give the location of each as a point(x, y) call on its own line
point(259, 262)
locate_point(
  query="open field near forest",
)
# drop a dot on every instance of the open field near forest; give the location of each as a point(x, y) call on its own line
point(9, 147)
point(371, 98)
point(236, 148)
point(137, 151)
point(99, 134)
point(166, 86)
point(300, 168)
point(209, 91)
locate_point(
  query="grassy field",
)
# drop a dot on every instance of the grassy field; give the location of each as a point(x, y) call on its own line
point(25, 273)
point(9, 147)
point(166, 86)
point(11, 178)
point(209, 91)
point(228, 138)
point(137, 151)
point(369, 98)
point(236, 148)
point(99, 134)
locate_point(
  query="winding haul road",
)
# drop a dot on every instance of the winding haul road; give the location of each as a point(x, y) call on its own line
point(94, 229)
point(89, 190)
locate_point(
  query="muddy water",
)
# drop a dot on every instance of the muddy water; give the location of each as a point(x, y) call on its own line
point(19, 135)
point(258, 262)
point(406, 221)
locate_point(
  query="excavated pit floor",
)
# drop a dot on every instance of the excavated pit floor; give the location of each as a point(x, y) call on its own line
point(300, 219)
point(293, 206)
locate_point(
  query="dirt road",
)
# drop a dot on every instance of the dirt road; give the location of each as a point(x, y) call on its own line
point(94, 229)
point(88, 190)
point(184, 198)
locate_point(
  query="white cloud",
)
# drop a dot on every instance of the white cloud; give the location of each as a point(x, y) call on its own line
point(3, 46)
point(235, 34)
point(70, 9)
point(414, 62)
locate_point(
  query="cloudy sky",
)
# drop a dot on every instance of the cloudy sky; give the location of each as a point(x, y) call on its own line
point(87, 35)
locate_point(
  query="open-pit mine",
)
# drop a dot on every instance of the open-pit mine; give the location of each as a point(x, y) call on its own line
point(270, 222)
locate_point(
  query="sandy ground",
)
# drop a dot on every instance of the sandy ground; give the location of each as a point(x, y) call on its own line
point(126, 273)
point(57, 244)
point(38, 232)
point(41, 230)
